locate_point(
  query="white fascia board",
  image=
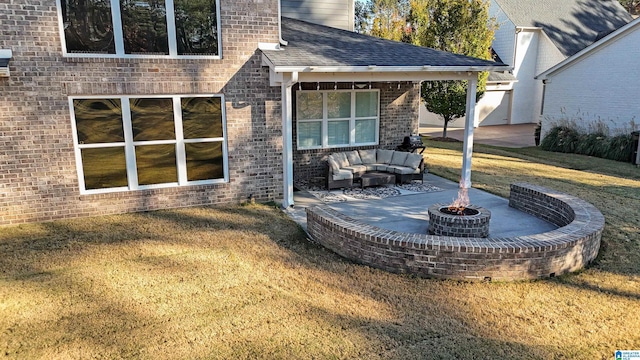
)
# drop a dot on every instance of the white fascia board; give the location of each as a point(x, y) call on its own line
point(499, 86)
point(269, 46)
point(503, 82)
point(527, 28)
point(385, 76)
point(589, 49)
point(386, 69)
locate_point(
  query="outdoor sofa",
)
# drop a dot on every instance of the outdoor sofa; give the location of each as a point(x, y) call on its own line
point(343, 168)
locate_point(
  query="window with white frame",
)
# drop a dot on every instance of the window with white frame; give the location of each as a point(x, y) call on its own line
point(130, 143)
point(337, 118)
point(140, 28)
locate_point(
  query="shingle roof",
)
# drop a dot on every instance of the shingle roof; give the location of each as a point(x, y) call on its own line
point(500, 76)
point(317, 45)
point(617, 35)
point(571, 24)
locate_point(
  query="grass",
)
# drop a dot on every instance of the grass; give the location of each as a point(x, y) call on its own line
point(243, 282)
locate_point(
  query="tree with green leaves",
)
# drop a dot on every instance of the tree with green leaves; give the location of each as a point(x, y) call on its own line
point(458, 26)
point(632, 6)
point(363, 13)
point(389, 19)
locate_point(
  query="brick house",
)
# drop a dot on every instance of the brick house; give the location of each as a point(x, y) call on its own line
point(115, 106)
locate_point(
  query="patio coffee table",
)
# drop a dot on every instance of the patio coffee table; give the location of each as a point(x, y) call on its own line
point(376, 178)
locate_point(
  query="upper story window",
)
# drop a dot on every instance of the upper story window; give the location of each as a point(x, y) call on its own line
point(140, 28)
point(337, 118)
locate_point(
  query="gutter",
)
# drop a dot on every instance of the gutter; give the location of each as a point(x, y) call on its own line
point(377, 69)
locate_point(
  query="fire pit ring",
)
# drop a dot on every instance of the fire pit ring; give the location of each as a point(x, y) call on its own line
point(474, 223)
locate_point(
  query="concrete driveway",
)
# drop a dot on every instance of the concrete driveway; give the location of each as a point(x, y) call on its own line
point(515, 136)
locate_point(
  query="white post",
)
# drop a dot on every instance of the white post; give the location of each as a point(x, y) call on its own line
point(287, 138)
point(467, 149)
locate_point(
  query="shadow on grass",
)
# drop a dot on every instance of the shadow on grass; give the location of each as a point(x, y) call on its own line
point(586, 285)
point(326, 305)
point(565, 160)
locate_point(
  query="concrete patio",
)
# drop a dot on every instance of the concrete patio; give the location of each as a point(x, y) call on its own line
point(408, 213)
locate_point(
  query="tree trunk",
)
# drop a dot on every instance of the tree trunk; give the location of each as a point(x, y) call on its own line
point(444, 128)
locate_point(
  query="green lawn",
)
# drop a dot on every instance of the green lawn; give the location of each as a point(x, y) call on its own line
point(243, 282)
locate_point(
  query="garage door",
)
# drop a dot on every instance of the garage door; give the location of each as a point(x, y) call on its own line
point(493, 108)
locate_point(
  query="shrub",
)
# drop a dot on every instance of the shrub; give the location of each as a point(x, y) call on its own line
point(620, 148)
point(592, 144)
point(562, 138)
point(568, 138)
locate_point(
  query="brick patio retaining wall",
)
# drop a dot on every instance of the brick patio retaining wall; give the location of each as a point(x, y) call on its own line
point(569, 248)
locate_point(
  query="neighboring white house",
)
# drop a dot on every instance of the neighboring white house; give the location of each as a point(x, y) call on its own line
point(601, 83)
point(336, 13)
point(533, 36)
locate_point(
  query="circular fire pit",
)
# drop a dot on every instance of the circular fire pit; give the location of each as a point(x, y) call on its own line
point(473, 222)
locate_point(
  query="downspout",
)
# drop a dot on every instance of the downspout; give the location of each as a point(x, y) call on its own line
point(515, 48)
point(280, 39)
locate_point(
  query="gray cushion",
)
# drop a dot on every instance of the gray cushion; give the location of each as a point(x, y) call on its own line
point(354, 158)
point(368, 156)
point(341, 159)
point(413, 161)
point(342, 175)
point(333, 164)
point(356, 169)
point(371, 167)
point(381, 167)
point(399, 158)
point(403, 170)
point(383, 156)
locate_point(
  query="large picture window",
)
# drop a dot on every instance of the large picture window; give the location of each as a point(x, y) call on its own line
point(337, 118)
point(140, 28)
point(131, 143)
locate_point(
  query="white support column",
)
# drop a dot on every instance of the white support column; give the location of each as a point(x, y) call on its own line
point(467, 149)
point(287, 138)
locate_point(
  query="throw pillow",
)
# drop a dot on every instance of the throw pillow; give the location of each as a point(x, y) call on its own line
point(399, 158)
point(333, 164)
point(383, 156)
point(413, 161)
point(368, 156)
point(341, 159)
point(354, 158)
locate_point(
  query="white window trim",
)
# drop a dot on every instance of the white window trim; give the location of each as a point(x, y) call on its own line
point(129, 145)
point(119, 40)
point(352, 120)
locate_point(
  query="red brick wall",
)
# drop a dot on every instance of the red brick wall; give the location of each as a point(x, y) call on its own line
point(38, 178)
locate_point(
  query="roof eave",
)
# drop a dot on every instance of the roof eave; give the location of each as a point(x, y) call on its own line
point(387, 69)
point(589, 49)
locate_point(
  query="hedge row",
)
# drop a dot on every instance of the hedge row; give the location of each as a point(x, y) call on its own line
point(568, 139)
